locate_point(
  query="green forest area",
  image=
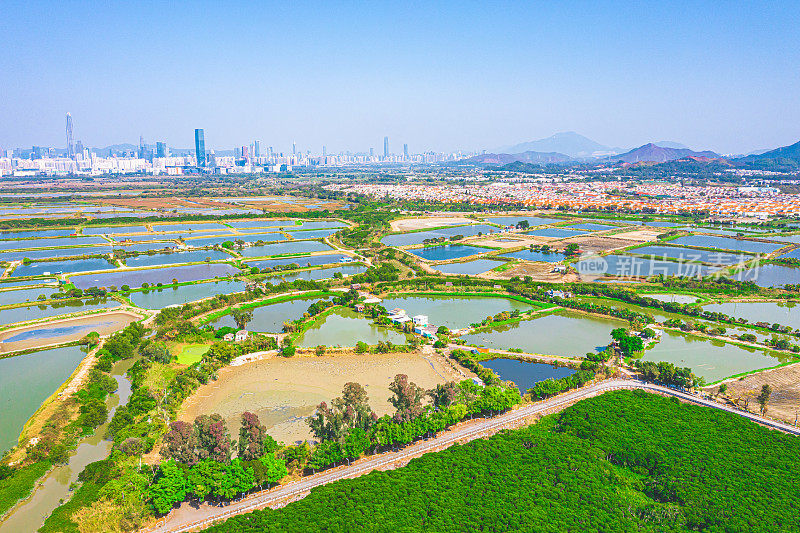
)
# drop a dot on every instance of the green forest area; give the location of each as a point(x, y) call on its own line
point(623, 461)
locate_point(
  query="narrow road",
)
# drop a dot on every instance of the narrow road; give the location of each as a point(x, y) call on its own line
point(188, 518)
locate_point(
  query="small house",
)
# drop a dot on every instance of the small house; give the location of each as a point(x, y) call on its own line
point(241, 335)
point(478, 381)
point(426, 331)
point(228, 337)
point(420, 320)
point(359, 308)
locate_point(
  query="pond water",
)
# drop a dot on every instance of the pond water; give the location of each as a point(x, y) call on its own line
point(30, 515)
point(524, 374)
point(176, 257)
point(447, 251)
point(531, 255)
point(469, 267)
point(35, 312)
point(560, 333)
point(312, 234)
point(592, 226)
point(152, 276)
point(794, 254)
point(146, 246)
point(189, 227)
point(5, 284)
point(36, 234)
point(275, 223)
point(254, 237)
point(784, 238)
point(345, 327)
point(454, 311)
point(270, 318)
point(26, 244)
point(26, 381)
point(109, 230)
point(317, 274)
point(51, 333)
point(320, 224)
point(55, 252)
point(712, 360)
point(770, 275)
point(690, 254)
point(209, 241)
point(558, 233)
point(785, 314)
point(303, 247)
point(302, 261)
point(663, 224)
point(405, 239)
point(631, 266)
point(24, 295)
point(166, 296)
point(147, 237)
point(727, 243)
point(51, 267)
point(532, 221)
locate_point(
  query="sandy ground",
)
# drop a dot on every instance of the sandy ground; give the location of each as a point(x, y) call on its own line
point(107, 323)
point(410, 224)
point(509, 241)
point(601, 244)
point(537, 271)
point(283, 392)
point(784, 401)
point(636, 235)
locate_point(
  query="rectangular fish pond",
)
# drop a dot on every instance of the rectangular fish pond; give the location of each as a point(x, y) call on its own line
point(153, 276)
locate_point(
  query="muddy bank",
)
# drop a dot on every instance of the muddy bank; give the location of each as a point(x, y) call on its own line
point(61, 331)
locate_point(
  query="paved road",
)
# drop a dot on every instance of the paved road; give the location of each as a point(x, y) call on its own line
point(188, 518)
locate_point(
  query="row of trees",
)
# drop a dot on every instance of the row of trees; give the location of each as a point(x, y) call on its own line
point(668, 374)
point(348, 427)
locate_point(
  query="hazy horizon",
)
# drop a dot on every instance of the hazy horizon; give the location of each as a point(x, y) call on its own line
point(454, 76)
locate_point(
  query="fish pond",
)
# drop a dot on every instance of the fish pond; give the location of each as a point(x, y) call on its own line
point(727, 243)
point(153, 276)
point(192, 256)
point(631, 266)
point(301, 261)
point(302, 247)
point(561, 333)
point(270, 318)
point(35, 312)
point(783, 313)
point(447, 251)
point(513, 221)
point(477, 266)
point(316, 274)
point(525, 374)
point(159, 298)
point(455, 312)
point(418, 237)
point(344, 327)
point(770, 275)
point(709, 359)
point(53, 267)
point(690, 254)
point(556, 233)
point(533, 255)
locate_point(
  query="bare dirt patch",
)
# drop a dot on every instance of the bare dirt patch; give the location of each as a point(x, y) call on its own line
point(784, 401)
point(283, 392)
point(505, 241)
point(537, 271)
point(411, 224)
point(639, 235)
point(591, 243)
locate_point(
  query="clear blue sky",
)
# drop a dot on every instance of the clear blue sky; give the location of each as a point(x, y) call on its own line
point(442, 76)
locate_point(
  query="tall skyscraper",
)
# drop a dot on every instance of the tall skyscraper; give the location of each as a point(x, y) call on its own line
point(294, 148)
point(200, 147)
point(70, 146)
point(142, 154)
point(386, 147)
point(324, 151)
point(372, 152)
point(257, 149)
point(161, 149)
point(405, 151)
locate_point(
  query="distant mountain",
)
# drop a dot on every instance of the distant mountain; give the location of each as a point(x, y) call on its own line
point(656, 154)
point(670, 144)
point(524, 157)
point(567, 142)
point(786, 152)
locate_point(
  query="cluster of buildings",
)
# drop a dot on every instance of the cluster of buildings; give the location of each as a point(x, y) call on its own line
point(655, 197)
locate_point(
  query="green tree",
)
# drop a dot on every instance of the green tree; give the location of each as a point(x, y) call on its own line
point(242, 317)
point(169, 488)
point(763, 397)
point(236, 480)
point(407, 398)
point(205, 478)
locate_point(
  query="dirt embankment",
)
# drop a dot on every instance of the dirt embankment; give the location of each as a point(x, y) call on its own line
point(784, 402)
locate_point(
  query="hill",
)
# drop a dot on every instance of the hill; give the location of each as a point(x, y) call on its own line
point(624, 461)
point(524, 157)
point(653, 153)
point(568, 142)
point(785, 152)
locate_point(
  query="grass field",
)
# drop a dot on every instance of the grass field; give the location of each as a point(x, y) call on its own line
point(192, 353)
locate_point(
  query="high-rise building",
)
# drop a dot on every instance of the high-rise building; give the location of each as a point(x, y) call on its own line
point(70, 146)
point(142, 154)
point(405, 151)
point(78, 148)
point(245, 152)
point(371, 152)
point(161, 150)
point(257, 149)
point(386, 147)
point(294, 148)
point(200, 147)
point(324, 151)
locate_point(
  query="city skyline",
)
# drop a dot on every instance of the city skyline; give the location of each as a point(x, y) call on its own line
point(443, 78)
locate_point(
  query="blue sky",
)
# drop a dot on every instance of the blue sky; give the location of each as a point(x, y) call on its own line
point(441, 76)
